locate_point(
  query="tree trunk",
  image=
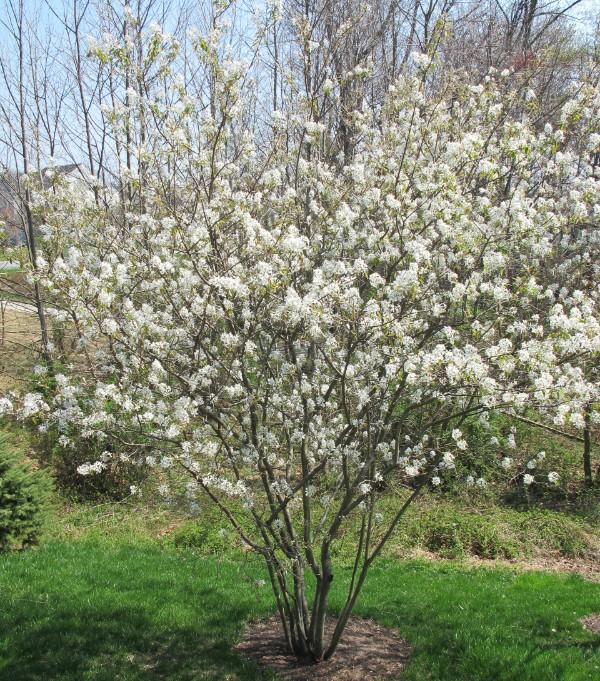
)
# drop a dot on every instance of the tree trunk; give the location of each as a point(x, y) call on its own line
point(587, 450)
point(29, 225)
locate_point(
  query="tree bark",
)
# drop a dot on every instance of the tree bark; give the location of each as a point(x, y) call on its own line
point(587, 450)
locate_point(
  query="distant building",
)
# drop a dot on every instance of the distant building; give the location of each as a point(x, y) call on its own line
point(67, 170)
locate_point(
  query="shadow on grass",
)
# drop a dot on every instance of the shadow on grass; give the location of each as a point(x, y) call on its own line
point(123, 643)
point(115, 623)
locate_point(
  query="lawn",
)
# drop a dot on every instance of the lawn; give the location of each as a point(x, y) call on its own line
point(118, 611)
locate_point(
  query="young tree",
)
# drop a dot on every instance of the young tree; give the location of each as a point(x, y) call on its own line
point(15, 112)
point(296, 336)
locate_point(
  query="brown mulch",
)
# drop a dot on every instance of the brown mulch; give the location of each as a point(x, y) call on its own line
point(592, 623)
point(366, 652)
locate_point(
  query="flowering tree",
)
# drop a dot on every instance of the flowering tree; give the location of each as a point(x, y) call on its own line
point(295, 336)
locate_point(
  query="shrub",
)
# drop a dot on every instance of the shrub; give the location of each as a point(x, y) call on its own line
point(556, 532)
point(64, 451)
point(452, 534)
point(114, 485)
point(311, 330)
point(208, 540)
point(24, 497)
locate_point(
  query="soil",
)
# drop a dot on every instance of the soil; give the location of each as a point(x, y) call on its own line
point(592, 623)
point(366, 652)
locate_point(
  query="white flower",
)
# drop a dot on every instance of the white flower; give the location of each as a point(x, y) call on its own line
point(88, 468)
point(506, 462)
point(481, 482)
point(134, 490)
point(435, 481)
point(420, 60)
point(376, 280)
point(364, 487)
point(447, 461)
point(456, 434)
point(313, 129)
point(33, 403)
point(110, 326)
point(528, 479)
point(553, 477)
point(84, 469)
point(6, 406)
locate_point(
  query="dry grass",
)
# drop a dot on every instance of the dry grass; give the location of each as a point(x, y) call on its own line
point(19, 345)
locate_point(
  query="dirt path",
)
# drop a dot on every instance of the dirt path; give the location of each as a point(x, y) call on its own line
point(23, 308)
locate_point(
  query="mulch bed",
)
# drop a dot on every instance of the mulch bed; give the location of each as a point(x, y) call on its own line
point(592, 623)
point(366, 652)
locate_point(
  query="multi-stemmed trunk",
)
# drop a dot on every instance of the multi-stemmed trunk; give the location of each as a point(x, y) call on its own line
point(304, 625)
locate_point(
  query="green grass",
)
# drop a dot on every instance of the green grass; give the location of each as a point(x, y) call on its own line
point(117, 611)
point(439, 526)
point(451, 530)
point(96, 611)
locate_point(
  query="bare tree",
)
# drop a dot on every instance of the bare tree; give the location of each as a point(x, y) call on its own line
point(15, 85)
